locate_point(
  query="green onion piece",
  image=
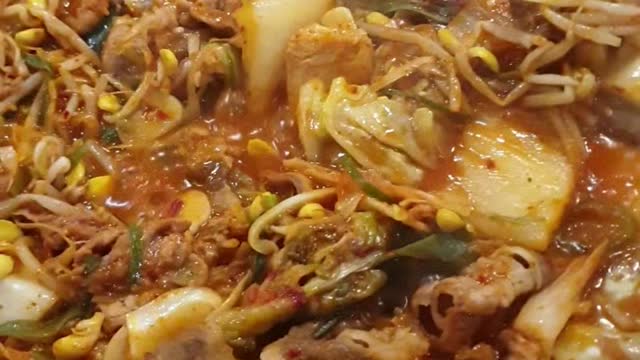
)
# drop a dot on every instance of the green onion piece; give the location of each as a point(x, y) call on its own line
point(37, 63)
point(135, 264)
point(77, 155)
point(229, 59)
point(91, 263)
point(258, 267)
point(96, 38)
point(347, 163)
point(43, 331)
point(109, 136)
point(269, 200)
point(324, 328)
point(445, 247)
point(432, 105)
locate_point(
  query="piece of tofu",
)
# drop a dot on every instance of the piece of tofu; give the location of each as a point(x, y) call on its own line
point(518, 187)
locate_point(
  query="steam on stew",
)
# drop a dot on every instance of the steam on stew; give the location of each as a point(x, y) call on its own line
point(319, 179)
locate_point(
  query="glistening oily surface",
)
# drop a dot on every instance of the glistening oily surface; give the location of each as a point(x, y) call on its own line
point(319, 179)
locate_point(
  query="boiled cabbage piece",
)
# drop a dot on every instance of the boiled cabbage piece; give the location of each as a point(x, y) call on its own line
point(624, 78)
point(333, 48)
point(267, 26)
point(518, 186)
point(167, 317)
point(379, 133)
point(24, 299)
point(160, 113)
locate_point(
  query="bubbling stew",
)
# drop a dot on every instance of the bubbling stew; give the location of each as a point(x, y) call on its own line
point(319, 179)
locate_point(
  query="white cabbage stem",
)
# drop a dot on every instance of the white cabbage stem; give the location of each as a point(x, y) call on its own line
point(545, 314)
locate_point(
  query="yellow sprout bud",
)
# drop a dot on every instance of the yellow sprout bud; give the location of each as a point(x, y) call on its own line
point(486, 56)
point(376, 18)
point(195, 208)
point(98, 188)
point(448, 40)
point(30, 37)
point(9, 231)
point(82, 339)
point(399, 213)
point(257, 148)
point(42, 4)
point(230, 244)
point(338, 18)
point(260, 204)
point(311, 211)
point(169, 61)
point(6, 265)
point(108, 103)
point(76, 175)
point(448, 220)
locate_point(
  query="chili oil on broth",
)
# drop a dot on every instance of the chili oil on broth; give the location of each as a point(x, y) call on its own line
point(604, 208)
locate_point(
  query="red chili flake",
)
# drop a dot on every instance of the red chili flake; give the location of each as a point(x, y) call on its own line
point(251, 294)
point(296, 297)
point(65, 114)
point(174, 208)
point(491, 165)
point(161, 115)
point(293, 354)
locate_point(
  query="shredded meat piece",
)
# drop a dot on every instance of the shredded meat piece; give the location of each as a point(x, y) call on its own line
point(398, 343)
point(166, 246)
point(459, 305)
point(216, 14)
point(478, 352)
point(127, 51)
point(111, 276)
point(300, 182)
point(324, 176)
point(299, 344)
point(83, 15)
point(51, 228)
point(201, 343)
point(521, 348)
point(102, 240)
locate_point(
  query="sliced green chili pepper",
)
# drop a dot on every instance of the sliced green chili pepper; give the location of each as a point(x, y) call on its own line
point(77, 155)
point(445, 247)
point(37, 63)
point(258, 267)
point(135, 264)
point(96, 38)
point(324, 328)
point(43, 331)
point(109, 136)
